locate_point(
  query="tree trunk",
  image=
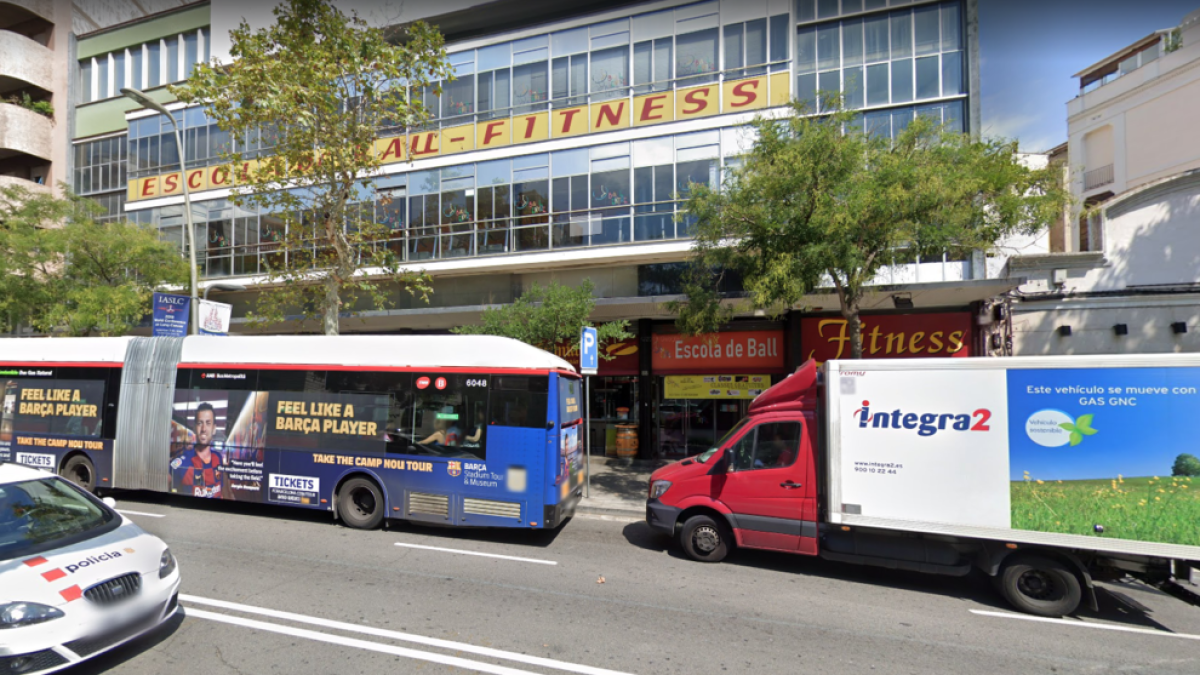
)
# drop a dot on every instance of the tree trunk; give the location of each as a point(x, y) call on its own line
point(854, 323)
point(333, 306)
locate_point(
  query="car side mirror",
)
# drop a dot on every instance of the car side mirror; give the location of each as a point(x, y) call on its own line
point(110, 502)
point(721, 465)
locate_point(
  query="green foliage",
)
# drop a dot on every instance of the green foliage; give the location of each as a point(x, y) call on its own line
point(818, 203)
point(61, 271)
point(317, 85)
point(43, 108)
point(1186, 465)
point(545, 316)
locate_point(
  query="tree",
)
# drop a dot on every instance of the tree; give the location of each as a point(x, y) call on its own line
point(61, 271)
point(1186, 465)
point(318, 85)
point(818, 202)
point(546, 316)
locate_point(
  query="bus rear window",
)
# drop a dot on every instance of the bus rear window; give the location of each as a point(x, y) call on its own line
point(570, 404)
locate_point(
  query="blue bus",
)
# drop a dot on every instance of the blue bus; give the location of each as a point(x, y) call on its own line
point(453, 430)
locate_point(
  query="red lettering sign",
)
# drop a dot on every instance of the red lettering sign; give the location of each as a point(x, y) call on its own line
point(889, 336)
point(609, 114)
point(491, 131)
point(649, 105)
point(699, 99)
point(746, 93)
point(759, 351)
point(567, 117)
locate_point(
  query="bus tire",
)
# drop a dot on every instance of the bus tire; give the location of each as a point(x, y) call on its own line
point(360, 504)
point(705, 539)
point(79, 470)
point(1040, 585)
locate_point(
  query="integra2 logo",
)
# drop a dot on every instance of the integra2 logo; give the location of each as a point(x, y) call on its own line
point(926, 424)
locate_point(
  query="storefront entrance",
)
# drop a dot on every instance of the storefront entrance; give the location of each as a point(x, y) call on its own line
point(690, 426)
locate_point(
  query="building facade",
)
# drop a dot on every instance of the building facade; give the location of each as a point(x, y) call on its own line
point(558, 154)
point(1123, 274)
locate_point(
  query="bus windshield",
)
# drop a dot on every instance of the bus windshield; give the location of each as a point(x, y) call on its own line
point(570, 403)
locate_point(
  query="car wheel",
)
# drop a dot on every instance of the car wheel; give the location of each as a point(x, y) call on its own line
point(360, 504)
point(80, 470)
point(705, 539)
point(1041, 586)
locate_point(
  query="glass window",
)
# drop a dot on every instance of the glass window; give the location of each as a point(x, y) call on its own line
point(852, 87)
point(952, 75)
point(643, 66)
point(653, 25)
point(806, 89)
point(779, 41)
point(48, 513)
point(852, 42)
point(569, 41)
point(806, 50)
point(927, 77)
point(851, 6)
point(869, 5)
point(519, 401)
point(610, 70)
point(663, 48)
point(569, 162)
point(951, 27)
point(875, 31)
point(830, 85)
point(806, 10)
point(570, 400)
point(827, 8)
point(153, 64)
point(191, 53)
point(136, 60)
point(774, 445)
point(497, 172)
point(102, 66)
point(925, 24)
point(696, 55)
point(204, 37)
point(877, 84)
point(610, 34)
point(87, 410)
point(118, 72)
point(901, 34)
point(902, 81)
point(828, 47)
point(85, 80)
point(756, 43)
point(734, 46)
point(172, 74)
point(458, 97)
point(449, 420)
point(495, 56)
point(530, 86)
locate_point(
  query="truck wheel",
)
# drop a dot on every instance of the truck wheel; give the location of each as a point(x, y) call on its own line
point(1041, 586)
point(79, 470)
point(360, 504)
point(705, 539)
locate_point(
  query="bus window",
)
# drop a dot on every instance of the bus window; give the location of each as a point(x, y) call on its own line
point(570, 404)
point(519, 401)
point(449, 416)
point(68, 407)
point(393, 413)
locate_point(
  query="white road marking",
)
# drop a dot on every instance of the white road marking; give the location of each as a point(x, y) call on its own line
point(485, 555)
point(1083, 624)
point(395, 635)
point(317, 636)
point(141, 513)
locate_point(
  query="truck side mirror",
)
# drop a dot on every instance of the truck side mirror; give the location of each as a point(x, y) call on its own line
point(721, 465)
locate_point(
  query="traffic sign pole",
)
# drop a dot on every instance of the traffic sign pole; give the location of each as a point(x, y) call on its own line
point(589, 360)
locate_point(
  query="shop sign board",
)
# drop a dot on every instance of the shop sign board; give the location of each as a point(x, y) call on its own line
point(715, 386)
point(754, 350)
point(623, 356)
point(889, 336)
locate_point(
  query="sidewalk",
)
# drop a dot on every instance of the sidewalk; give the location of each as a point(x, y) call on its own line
point(619, 488)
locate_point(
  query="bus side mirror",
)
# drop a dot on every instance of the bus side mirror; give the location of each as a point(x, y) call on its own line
point(549, 426)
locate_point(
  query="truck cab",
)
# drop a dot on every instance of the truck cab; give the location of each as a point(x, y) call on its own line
point(757, 487)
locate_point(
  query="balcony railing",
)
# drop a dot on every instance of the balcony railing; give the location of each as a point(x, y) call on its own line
point(1098, 177)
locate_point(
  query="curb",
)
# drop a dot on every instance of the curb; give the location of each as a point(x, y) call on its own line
point(640, 514)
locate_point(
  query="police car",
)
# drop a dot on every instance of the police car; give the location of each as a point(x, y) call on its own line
point(76, 577)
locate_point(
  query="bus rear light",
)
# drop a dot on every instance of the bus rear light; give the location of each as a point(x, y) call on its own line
point(324, 501)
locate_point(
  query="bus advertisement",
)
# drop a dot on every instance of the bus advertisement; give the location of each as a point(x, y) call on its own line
point(453, 430)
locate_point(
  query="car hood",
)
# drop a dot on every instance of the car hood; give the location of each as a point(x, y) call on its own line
point(685, 468)
point(50, 577)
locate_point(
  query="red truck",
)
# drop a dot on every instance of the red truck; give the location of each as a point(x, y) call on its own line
point(1017, 467)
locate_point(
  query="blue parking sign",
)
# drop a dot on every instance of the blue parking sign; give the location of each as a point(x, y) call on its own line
point(589, 352)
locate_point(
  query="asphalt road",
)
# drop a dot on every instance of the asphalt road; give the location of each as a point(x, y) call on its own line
point(269, 590)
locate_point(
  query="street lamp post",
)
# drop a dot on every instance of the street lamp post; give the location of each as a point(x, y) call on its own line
point(147, 102)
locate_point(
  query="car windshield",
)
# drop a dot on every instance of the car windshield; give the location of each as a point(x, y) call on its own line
point(38, 515)
point(707, 454)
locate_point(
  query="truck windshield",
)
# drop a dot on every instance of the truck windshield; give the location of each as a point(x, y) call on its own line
point(704, 456)
point(39, 515)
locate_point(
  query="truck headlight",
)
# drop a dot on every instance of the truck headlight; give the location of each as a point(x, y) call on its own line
point(17, 614)
point(658, 487)
point(166, 564)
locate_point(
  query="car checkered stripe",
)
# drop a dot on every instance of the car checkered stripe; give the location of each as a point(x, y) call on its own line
point(68, 594)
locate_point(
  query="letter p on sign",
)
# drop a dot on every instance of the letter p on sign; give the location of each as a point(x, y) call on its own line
point(589, 352)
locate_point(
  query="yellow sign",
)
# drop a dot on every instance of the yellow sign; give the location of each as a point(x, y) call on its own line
point(715, 386)
point(733, 96)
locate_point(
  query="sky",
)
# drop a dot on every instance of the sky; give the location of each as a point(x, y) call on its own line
point(1029, 49)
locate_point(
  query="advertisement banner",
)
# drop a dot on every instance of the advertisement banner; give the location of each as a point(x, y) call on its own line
point(619, 358)
point(1097, 452)
point(170, 318)
point(755, 350)
point(214, 317)
point(890, 336)
point(715, 386)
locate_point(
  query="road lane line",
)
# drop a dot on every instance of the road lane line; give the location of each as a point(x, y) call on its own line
point(485, 555)
point(141, 513)
point(1082, 624)
point(317, 636)
point(396, 635)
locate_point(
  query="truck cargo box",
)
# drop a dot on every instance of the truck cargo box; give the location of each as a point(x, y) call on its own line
point(1091, 452)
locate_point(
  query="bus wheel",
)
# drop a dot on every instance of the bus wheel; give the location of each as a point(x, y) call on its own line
point(79, 470)
point(360, 504)
point(1040, 585)
point(705, 539)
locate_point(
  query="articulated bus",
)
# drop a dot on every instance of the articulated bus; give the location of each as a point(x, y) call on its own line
point(453, 430)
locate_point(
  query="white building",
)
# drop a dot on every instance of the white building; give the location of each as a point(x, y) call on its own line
point(1122, 273)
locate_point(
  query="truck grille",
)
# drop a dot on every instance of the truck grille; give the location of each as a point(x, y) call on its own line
point(115, 590)
point(487, 507)
point(424, 502)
